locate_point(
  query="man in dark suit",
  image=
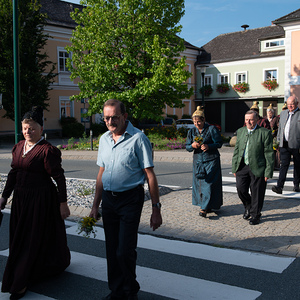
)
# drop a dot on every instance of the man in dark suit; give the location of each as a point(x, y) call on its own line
point(252, 165)
point(289, 144)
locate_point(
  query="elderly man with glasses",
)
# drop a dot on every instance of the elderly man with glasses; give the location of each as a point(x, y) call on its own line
point(125, 161)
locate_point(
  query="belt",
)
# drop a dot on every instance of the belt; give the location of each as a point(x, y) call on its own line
point(118, 194)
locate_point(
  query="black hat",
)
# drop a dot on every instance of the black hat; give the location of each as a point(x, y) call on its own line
point(35, 114)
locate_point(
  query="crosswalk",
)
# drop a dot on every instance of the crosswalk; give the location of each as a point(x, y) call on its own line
point(230, 187)
point(202, 267)
point(175, 285)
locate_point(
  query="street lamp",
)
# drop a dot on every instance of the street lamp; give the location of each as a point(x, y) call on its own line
point(203, 70)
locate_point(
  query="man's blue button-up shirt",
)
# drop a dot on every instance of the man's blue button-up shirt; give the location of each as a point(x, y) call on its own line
point(125, 160)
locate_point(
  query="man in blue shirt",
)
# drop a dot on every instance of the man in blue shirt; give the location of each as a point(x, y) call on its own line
point(125, 161)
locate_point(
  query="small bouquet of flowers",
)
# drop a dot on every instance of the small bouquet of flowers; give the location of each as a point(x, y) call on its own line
point(87, 226)
point(198, 139)
point(275, 144)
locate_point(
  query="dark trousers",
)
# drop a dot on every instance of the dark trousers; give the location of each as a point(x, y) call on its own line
point(121, 214)
point(285, 158)
point(245, 179)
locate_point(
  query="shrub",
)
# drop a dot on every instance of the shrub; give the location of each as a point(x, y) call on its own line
point(71, 127)
point(98, 128)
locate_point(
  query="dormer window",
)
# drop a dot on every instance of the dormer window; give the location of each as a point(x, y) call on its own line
point(274, 43)
point(271, 45)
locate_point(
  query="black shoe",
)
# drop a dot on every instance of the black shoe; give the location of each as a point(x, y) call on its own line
point(296, 189)
point(277, 189)
point(202, 213)
point(254, 221)
point(16, 296)
point(246, 214)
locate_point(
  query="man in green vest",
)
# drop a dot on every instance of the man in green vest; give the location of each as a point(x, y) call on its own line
point(252, 165)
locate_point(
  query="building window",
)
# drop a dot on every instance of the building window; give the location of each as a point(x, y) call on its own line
point(223, 78)
point(65, 107)
point(63, 55)
point(276, 43)
point(208, 80)
point(272, 45)
point(241, 77)
point(271, 74)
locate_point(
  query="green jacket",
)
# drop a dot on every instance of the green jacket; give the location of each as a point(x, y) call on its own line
point(260, 151)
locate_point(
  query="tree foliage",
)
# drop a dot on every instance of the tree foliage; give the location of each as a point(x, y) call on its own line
point(129, 50)
point(36, 71)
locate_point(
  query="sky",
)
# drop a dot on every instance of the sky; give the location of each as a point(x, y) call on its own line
point(205, 20)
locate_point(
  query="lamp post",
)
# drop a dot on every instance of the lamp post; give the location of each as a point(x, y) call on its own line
point(203, 70)
point(17, 97)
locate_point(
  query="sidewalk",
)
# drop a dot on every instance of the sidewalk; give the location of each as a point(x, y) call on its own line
point(278, 232)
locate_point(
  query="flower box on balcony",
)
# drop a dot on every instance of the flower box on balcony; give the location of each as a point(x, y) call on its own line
point(223, 88)
point(241, 87)
point(207, 90)
point(270, 84)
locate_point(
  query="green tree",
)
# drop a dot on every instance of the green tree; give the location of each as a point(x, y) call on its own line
point(36, 71)
point(129, 50)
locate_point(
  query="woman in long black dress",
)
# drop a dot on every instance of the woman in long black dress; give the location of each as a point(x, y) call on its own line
point(37, 242)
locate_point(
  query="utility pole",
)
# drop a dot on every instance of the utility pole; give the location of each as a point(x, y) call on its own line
point(16, 72)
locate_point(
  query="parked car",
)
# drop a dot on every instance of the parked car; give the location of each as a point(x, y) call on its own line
point(168, 122)
point(187, 123)
point(149, 123)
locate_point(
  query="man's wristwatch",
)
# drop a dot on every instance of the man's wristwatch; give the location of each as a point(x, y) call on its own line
point(158, 205)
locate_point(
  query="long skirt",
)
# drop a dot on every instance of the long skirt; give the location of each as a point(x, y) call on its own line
point(207, 193)
point(38, 244)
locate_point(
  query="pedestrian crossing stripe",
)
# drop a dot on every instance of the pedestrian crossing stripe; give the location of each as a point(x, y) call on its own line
point(154, 281)
point(269, 192)
point(173, 285)
point(162, 283)
point(247, 259)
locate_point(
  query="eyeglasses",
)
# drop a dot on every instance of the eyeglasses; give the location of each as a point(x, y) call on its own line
point(113, 118)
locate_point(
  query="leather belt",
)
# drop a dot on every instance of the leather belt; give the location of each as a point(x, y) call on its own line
point(118, 194)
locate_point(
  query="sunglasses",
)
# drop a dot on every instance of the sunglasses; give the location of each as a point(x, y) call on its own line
point(113, 118)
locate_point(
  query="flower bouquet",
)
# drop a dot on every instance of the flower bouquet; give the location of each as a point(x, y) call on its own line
point(198, 139)
point(275, 144)
point(87, 226)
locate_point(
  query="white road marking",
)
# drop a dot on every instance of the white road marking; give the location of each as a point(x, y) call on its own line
point(162, 283)
point(259, 261)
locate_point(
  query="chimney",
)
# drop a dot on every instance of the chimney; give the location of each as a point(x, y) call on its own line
point(245, 27)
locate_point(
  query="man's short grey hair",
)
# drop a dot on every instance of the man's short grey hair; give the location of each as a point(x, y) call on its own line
point(252, 112)
point(296, 100)
point(115, 102)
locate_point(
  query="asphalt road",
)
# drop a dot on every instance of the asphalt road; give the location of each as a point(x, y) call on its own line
point(168, 173)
